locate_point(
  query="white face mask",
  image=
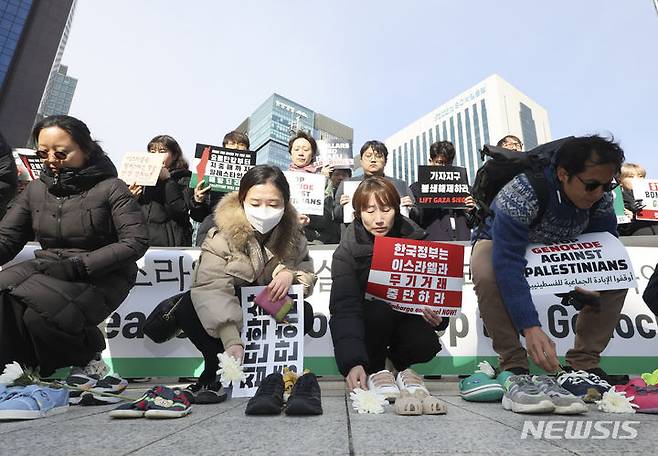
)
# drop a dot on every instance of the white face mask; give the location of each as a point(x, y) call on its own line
point(263, 219)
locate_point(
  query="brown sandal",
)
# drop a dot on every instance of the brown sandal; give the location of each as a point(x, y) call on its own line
point(430, 404)
point(408, 405)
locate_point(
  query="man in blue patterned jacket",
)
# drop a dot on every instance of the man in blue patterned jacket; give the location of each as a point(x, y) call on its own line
point(579, 180)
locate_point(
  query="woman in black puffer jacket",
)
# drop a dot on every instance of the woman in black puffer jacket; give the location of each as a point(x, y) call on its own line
point(166, 206)
point(91, 233)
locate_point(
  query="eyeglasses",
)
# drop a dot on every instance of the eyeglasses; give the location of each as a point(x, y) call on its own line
point(377, 155)
point(158, 151)
point(59, 155)
point(591, 186)
point(512, 144)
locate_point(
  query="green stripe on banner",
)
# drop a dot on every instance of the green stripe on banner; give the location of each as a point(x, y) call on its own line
point(326, 365)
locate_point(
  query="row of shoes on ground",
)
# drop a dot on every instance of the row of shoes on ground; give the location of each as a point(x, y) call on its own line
point(305, 397)
point(159, 402)
point(32, 402)
point(408, 391)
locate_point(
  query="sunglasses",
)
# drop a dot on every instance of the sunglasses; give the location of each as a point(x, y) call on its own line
point(591, 186)
point(59, 155)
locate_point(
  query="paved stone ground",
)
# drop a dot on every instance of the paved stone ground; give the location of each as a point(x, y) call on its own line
point(468, 428)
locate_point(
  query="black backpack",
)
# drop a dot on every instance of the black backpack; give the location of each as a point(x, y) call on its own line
point(503, 166)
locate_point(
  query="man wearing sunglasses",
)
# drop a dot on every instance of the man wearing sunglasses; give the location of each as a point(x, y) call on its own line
point(579, 179)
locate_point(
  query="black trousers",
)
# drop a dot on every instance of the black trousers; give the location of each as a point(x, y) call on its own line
point(403, 338)
point(210, 347)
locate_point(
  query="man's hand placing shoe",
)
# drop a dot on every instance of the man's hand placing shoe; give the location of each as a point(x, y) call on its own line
point(71, 269)
point(541, 349)
point(357, 378)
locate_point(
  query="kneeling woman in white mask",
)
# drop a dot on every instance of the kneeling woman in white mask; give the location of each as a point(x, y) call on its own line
point(256, 241)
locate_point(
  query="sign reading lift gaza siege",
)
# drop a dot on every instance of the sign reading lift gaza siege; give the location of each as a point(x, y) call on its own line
point(411, 275)
point(442, 186)
point(593, 261)
point(221, 168)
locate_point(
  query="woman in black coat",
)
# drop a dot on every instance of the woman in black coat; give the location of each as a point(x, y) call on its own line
point(166, 206)
point(365, 332)
point(91, 233)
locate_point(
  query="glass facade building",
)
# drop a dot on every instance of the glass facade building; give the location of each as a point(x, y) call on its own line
point(273, 123)
point(13, 17)
point(59, 94)
point(482, 115)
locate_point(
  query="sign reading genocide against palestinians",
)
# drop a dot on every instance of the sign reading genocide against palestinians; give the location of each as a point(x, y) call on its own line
point(594, 261)
point(270, 346)
point(411, 275)
point(442, 186)
point(220, 168)
point(141, 168)
point(306, 192)
point(647, 191)
point(337, 152)
point(618, 204)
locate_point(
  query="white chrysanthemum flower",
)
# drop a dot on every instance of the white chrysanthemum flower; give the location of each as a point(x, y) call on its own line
point(486, 369)
point(230, 370)
point(12, 372)
point(616, 402)
point(367, 401)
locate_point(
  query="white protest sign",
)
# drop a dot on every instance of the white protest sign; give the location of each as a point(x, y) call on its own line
point(593, 261)
point(270, 346)
point(141, 168)
point(349, 187)
point(647, 191)
point(306, 192)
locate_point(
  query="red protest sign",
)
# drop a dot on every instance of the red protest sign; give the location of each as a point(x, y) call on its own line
point(410, 275)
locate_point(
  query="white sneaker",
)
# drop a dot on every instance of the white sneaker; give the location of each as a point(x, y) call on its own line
point(383, 383)
point(410, 381)
point(97, 368)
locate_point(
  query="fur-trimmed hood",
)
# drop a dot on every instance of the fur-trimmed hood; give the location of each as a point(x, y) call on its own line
point(231, 220)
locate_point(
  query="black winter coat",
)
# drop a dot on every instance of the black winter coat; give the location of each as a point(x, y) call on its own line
point(89, 214)
point(166, 210)
point(350, 268)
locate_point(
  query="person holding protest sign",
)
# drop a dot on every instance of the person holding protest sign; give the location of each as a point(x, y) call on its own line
point(444, 224)
point(91, 233)
point(256, 241)
point(319, 229)
point(367, 332)
point(166, 205)
point(578, 179)
point(632, 206)
point(204, 200)
point(373, 160)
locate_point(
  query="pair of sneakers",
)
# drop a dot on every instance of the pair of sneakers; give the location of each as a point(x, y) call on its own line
point(159, 402)
point(206, 393)
point(305, 397)
point(584, 384)
point(539, 394)
point(32, 402)
point(486, 384)
point(89, 385)
point(390, 387)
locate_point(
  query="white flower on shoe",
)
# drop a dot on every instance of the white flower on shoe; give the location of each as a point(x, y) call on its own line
point(616, 402)
point(12, 372)
point(486, 369)
point(230, 370)
point(367, 402)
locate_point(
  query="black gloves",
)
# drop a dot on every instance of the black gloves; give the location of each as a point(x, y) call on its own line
point(578, 300)
point(71, 269)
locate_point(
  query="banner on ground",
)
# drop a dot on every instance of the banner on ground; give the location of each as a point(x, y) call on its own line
point(647, 191)
point(30, 166)
point(618, 204)
point(593, 261)
point(270, 346)
point(306, 192)
point(220, 168)
point(442, 186)
point(336, 152)
point(412, 275)
point(141, 168)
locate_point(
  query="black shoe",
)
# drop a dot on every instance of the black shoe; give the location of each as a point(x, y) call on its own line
point(305, 398)
point(269, 397)
point(205, 394)
point(518, 370)
point(610, 378)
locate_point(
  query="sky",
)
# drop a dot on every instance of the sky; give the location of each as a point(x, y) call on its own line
point(196, 69)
